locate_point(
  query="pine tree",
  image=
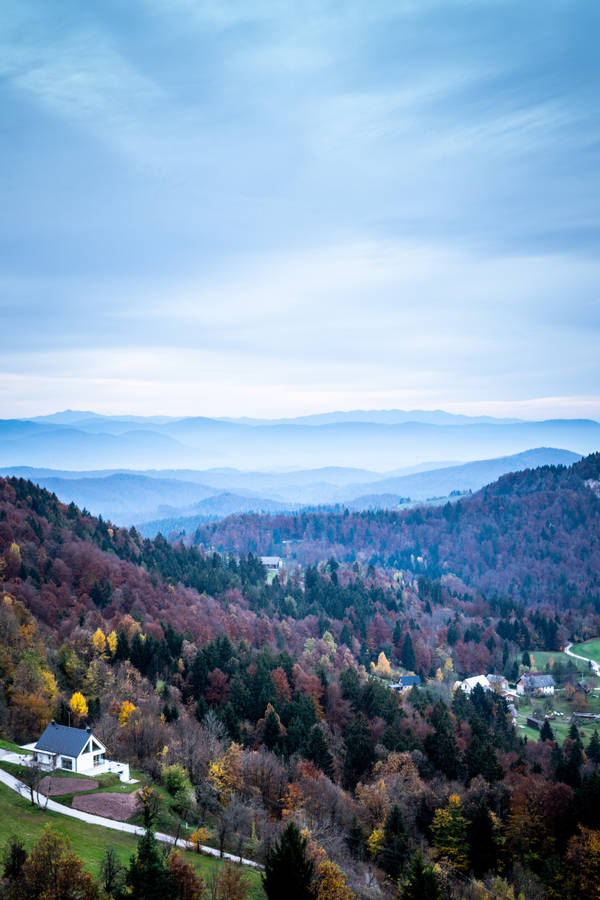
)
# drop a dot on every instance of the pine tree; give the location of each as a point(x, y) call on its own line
point(441, 745)
point(318, 751)
point(408, 653)
point(593, 750)
point(395, 850)
point(148, 877)
point(359, 755)
point(546, 733)
point(422, 882)
point(482, 840)
point(272, 730)
point(288, 870)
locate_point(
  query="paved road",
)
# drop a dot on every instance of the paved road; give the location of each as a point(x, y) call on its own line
point(594, 665)
point(45, 803)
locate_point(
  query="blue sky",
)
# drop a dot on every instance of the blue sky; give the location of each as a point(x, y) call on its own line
point(274, 208)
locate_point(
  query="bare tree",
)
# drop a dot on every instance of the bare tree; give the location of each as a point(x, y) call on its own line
point(31, 776)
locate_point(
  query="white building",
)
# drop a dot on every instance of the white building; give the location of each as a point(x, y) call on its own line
point(74, 750)
point(272, 563)
point(469, 684)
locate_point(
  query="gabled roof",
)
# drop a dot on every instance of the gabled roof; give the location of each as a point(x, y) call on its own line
point(538, 680)
point(65, 740)
point(405, 681)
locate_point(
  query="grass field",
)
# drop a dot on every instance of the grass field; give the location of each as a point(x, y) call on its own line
point(589, 649)
point(560, 726)
point(541, 658)
point(89, 842)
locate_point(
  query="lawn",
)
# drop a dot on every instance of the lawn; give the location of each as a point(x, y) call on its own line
point(541, 657)
point(589, 649)
point(560, 725)
point(89, 842)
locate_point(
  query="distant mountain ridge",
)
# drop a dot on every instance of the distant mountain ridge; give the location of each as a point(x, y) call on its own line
point(169, 500)
point(122, 442)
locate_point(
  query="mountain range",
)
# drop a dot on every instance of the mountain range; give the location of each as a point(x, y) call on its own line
point(376, 440)
point(180, 500)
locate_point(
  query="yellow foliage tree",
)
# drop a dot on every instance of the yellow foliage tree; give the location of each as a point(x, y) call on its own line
point(225, 772)
point(78, 705)
point(383, 668)
point(111, 640)
point(376, 842)
point(331, 883)
point(199, 838)
point(126, 709)
point(99, 641)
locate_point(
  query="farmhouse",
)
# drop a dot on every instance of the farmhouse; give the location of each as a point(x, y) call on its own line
point(75, 750)
point(536, 683)
point(272, 563)
point(406, 682)
point(469, 684)
point(498, 682)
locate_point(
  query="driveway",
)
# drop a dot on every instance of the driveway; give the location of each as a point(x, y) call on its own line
point(45, 803)
point(594, 665)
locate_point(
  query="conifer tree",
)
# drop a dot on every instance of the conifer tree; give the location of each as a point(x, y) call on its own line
point(408, 653)
point(148, 877)
point(318, 751)
point(421, 883)
point(593, 749)
point(288, 871)
point(395, 851)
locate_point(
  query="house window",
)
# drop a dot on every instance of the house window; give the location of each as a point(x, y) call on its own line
point(66, 763)
point(98, 759)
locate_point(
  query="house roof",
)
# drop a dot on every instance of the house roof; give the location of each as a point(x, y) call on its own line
point(64, 739)
point(469, 683)
point(538, 680)
point(407, 681)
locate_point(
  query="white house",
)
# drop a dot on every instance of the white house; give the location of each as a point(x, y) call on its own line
point(469, 684)
point(272, 563)
point(73, 749)
point(536, 683)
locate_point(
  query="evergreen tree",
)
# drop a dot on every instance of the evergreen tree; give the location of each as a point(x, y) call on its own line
point(318, 751)
point(288, 871)
point(148, 877)
point(408, 654)
point(593, 750)
point(482, 840)
point(272, 730)
point(355, 840)
point(441, 745)
point(546, 733)
point(421, 883)
point(359, 756)
point(395, 850)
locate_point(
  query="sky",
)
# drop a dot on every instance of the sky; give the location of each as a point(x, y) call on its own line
point(276, 208)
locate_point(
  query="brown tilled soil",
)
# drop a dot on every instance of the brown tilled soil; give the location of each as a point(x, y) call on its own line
point(112, 806)
point(57, 787)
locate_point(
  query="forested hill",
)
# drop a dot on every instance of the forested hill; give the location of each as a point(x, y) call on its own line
point(533, 535)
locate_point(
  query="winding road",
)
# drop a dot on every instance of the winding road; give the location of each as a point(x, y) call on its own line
point(594, 665)
point(45, 803)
